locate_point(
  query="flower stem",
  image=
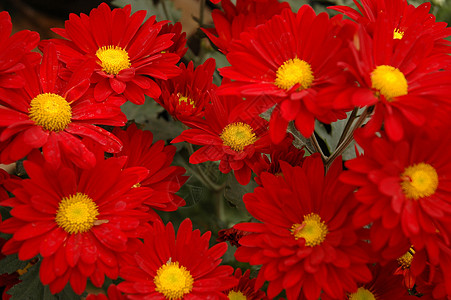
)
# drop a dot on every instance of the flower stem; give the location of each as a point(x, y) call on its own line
point(348, 139)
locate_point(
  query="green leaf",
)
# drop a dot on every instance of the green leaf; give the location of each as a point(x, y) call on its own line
point(31, 288)
point(11, 264)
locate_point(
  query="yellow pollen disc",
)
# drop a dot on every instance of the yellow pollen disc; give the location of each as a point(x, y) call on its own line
point(113, 59)
point(237, 136)
point(419, 181)
point(405, 260)
point(312, 229)
point(236, 295)
point(173, 281)
point(76, 213)
point(186, 100)
point(50, 111)
point(294, 71)
point(389, 81)
point(362, 294)
point(398, 34)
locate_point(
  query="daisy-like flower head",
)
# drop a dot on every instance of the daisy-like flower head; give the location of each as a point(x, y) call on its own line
point(289, 58)
point(163, 180)
point(235, 139)
point(245, 289)
point(401, 16)
point(186, 95)
point(402, 79)
point(403, 188)
point(129, 53)
point(13, 50)
point(306, 242)
point(54, 114)
point(177, 267)
point(80, 221)
point(237, 18)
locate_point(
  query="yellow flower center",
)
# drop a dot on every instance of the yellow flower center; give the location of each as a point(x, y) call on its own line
point(76, 213)
point(405, 260)
point(173, 281)
point(186, 100)
point(294, 71)
point(312, 229)
point(113, 59)
point(419, 181)
point(389, 81)
point(50, 111)
point(236, 295)
point(238, 135)
point(362, 294)
point(398, 34)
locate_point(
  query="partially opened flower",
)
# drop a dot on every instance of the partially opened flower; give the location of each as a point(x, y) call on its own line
point(129, 53)
point(285, 151)
point(54, 114)
point(236, 140)
point(187, 95)
point(179, 39)
point(177, 267)
point(289, 59)
point(234, 19)
point(163, 181)
point(305, 240)
point(79, 221)
point(13, 50)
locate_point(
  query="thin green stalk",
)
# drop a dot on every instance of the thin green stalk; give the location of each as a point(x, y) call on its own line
point(342, 147)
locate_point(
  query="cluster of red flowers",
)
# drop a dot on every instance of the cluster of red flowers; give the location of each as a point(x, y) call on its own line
point(374, 227)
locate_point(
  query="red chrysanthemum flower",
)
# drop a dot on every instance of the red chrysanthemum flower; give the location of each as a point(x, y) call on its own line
point(112, 294)
point(400, 78)
point(55, 114)
point(306, 242)
point(285, 151)
point(182, 267)
point(186, 95)
point(403, 189)
point(237, 18)
point(129, 53)
point(231, 235)
point(401, 16)
point(13, 50)
point(289, 59)
point(80, 221)
point(179, 39)
point(235, 140)
point(245, 289)
point(163, 180)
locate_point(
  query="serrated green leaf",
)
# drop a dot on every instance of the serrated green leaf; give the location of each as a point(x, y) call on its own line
point(11, 264)
point(30, 288)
